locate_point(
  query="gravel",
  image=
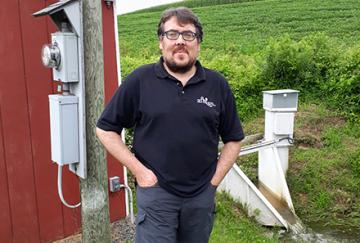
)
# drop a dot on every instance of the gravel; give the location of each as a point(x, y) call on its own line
point(122, 231)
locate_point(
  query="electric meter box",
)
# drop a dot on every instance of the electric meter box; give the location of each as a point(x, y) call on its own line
point(64, 129)
point(68, 71)
point(280, 100)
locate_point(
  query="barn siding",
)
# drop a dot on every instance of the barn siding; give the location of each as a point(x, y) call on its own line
point(111, 84)
point(30, 209)
point(16, 132)
point(38, 86)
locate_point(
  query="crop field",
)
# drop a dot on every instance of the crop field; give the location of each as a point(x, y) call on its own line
point(192, 4)
point(247, 27)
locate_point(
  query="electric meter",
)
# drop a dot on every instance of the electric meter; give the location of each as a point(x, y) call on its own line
point(50, 56)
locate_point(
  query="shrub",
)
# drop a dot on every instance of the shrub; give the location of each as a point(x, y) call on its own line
point(303, 65)
point(355, 163)
point(316, 65)
point(242, 72)
point(345, 85)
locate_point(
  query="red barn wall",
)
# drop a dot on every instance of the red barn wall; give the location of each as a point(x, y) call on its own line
point(30, 209)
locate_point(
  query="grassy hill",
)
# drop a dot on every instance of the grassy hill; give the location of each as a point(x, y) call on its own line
point(246, 27)
point(191, 4)
point(311, 46)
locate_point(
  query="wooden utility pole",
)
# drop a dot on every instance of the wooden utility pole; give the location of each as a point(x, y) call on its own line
point(94, 189)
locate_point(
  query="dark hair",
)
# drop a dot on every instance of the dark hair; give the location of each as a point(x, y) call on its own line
point(184, 16)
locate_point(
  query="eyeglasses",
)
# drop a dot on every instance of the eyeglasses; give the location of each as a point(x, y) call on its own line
point(174, 35)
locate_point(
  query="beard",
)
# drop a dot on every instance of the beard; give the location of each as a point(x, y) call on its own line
point(179, 68)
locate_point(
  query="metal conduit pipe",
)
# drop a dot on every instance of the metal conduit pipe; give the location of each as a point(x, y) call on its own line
point(261, 144)
point(258, 145)
point(128, 189)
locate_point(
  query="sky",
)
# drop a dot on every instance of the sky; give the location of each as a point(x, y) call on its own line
point(126, 6)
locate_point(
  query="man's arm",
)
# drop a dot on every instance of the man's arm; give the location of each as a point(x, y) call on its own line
point(116, 147)
point(227, 158)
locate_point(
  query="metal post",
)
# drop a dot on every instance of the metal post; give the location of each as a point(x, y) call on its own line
point(94, 189)
point(280, 107)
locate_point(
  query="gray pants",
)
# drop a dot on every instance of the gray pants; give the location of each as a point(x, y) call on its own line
point(167, 218)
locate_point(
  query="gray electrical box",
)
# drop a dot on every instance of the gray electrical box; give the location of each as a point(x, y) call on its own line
point(280, 100)
point(68, 70)
point(65, 55)
point(114, 183)
point(64, 129)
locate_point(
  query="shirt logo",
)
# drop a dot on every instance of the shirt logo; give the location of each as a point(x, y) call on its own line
point(204, 100)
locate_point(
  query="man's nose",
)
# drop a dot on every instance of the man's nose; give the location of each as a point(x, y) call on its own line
point(180, 40)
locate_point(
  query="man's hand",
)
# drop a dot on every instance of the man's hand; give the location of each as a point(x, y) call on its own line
point(146, 178)
point(115, 146)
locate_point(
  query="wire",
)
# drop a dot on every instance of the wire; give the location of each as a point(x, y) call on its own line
point(60, 190)
point(290, 139)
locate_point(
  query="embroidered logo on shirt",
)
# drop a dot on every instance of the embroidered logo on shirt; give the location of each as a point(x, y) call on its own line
point(204, 100)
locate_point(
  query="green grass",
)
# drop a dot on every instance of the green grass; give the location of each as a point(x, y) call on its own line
point(324, 178)
point(233, 225)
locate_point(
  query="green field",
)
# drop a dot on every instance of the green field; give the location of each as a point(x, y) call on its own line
point(191, 4)
point(247, 27)
point(312, 46)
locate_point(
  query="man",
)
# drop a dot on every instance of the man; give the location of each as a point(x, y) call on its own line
point(178, 110)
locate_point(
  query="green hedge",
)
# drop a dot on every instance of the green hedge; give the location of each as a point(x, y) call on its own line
point(316, 65)
point(319, 67)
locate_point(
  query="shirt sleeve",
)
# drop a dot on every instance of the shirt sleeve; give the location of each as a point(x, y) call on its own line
point(123, 108)
point(230, 126)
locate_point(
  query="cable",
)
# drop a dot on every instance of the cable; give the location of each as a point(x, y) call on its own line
point(290, 139)
point(60, 190)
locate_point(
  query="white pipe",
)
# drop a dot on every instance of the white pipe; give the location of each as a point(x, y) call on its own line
point(128, 189)
point(60, 190)
point(127, 207)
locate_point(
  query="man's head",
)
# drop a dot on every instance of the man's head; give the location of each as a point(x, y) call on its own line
point(180, 34)
point(183, 16)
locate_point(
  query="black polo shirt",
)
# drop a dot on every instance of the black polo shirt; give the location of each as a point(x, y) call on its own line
point(176, 128)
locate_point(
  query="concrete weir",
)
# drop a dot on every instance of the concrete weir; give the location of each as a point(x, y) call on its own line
point(269, 202)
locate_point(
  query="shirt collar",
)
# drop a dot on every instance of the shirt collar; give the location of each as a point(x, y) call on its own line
point(161, 72)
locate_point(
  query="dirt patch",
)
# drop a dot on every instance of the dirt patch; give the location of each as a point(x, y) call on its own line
point(310, 122)
point(303, 198)
point(297, 167)
point(344, 203)
point(306, 139)
point(255, 126)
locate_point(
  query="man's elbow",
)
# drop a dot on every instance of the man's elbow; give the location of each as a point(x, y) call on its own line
point(106, 135)
point(234, 145)
point(101, 134)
